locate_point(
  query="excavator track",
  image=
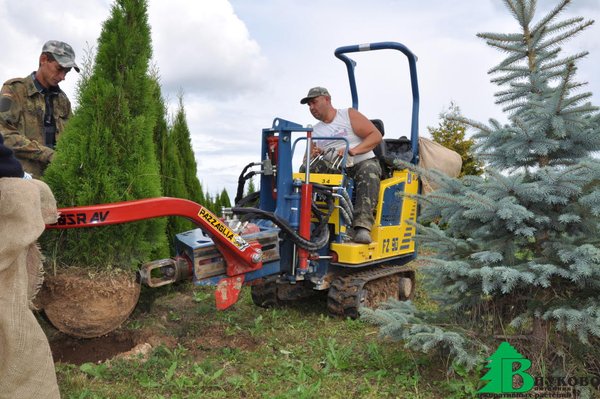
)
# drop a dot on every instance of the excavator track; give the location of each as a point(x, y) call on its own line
point(270, 292)
point(369, 288)
point(264, 293)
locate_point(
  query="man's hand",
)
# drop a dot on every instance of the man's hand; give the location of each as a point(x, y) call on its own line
point(46, 155)
point(343, 149)
point(315, 151)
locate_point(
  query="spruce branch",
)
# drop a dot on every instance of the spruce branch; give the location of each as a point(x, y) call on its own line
point(559, 39)
point(551, 15)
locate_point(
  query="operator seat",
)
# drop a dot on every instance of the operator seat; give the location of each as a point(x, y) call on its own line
point(380, 149)
point(390, 149)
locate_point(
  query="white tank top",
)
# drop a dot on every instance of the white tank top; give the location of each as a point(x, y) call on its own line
point(340, 126)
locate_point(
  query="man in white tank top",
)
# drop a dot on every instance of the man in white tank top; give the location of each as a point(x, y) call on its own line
point(362, 166)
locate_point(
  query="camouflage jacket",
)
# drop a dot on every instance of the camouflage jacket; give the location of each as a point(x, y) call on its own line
point(22, 108)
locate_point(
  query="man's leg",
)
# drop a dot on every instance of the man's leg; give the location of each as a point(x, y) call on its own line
point(367, 176)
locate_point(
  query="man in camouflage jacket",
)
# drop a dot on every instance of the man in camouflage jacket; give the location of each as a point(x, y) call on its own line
point(34, 110)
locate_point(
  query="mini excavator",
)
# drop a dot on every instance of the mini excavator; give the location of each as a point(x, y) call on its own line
point(291, 238)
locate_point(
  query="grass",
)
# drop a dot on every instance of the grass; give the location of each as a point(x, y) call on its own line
point(250, 352)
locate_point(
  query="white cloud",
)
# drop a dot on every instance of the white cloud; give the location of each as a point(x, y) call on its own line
point(27, 24)
point(204, 48)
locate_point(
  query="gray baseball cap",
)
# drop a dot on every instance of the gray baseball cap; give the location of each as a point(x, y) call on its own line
point(315, 92)
point(62, 52)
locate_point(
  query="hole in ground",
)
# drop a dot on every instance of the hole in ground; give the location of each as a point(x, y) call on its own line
point(66, 349)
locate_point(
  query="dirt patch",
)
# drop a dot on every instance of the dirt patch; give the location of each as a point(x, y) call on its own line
point(123, 344)
point(172, 319)
point(66, 349)
point(87, 305)
point(120, 344)
point(181, 321)
point(216, 337)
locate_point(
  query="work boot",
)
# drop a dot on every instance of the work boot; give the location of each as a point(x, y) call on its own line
point(362, 235)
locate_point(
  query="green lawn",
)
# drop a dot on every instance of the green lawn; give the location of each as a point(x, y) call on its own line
point(250, 352)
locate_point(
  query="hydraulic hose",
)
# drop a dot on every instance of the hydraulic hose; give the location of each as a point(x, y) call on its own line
point(320, 240)
point(248, 199)
point(321, 231)
point(346, 207)
point(345, 215)
point(242, 182)
point(348, 203)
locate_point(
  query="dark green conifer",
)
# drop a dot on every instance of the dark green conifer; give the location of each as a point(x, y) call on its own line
point(451, 134)
point(172, 181)
point(208, 200)
point(251, 187)
point(224, 199)
point(216, 205)
point(107, 153)
point(181, 139)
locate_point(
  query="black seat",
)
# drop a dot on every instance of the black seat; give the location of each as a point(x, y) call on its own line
point(390, 149)
point(379, 125)
point(380, 149)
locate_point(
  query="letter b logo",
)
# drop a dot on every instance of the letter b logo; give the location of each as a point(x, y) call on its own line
point(507, 369)
point(509, 372)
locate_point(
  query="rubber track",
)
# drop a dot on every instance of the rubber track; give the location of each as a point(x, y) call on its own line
point(265, 294)
point(343, 298)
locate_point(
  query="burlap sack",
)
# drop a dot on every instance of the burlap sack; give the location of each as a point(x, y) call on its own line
point(26, 365)
point(433, 155)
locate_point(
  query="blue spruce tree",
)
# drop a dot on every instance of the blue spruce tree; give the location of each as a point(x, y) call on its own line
point(517, 250)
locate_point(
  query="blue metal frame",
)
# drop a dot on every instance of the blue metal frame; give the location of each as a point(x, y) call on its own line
point(283, 183)
point(412, 65)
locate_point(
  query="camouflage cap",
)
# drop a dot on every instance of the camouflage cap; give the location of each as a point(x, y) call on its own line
point(315, 92)
point(62, 52)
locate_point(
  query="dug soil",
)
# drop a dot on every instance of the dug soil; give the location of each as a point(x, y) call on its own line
point(87, 305)
point(66, 349)
point(156, 321)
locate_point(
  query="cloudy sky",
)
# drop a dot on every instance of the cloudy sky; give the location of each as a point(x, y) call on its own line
point(241, 63)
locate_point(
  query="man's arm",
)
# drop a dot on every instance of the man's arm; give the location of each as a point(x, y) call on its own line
point(366, 130)
point(25, 148)
point(22, 146)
